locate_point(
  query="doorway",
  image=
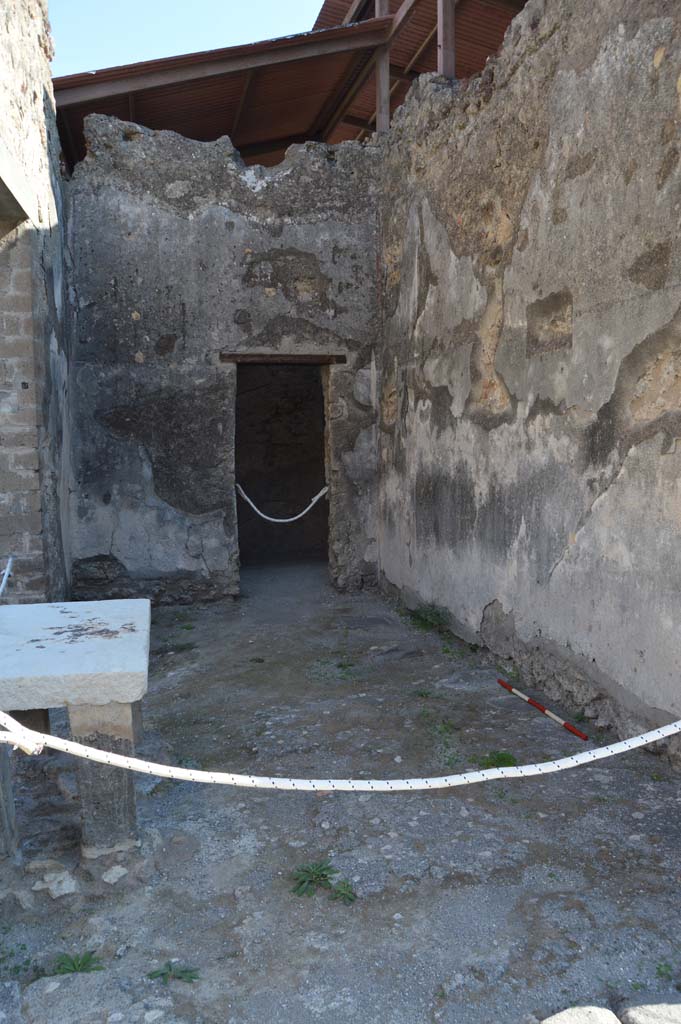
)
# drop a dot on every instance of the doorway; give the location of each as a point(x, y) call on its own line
point(279, 462)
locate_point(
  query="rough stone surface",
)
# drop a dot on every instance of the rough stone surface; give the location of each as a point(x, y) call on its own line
point(33, 351)
point(10, 1003)
point(660, 1013)
point(107, 794)
point(8, 827)
point(52, 655)
point(180, 254)
point(531, 365)
point(583, 1015)
point(501, 903)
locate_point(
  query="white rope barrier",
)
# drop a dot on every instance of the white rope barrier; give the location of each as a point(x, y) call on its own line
point(292, 519)
point(6, 575)
point(33, 742)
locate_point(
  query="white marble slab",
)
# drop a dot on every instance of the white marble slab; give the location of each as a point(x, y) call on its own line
point(85, 652)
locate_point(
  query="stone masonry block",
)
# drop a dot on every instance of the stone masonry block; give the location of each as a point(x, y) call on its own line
point(91, 653)
point(107, 794)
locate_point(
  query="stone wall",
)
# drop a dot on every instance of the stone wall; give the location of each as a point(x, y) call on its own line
point(33, 470)
point(531, 374)
point(182, 258)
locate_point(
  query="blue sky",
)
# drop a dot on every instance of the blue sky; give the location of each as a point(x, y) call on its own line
point(91, 34)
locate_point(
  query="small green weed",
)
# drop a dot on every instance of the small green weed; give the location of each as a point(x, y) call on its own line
point(638, 985)
point(664, 971)
point(497, 759)
point(79, 963)
point(445, 727)
point(187, 625)
point(14, 963)
point(580, 716)
point(310, 877)
point(442, 731)
point(345, 668)
point(449, 649)
point(430, 618)
point(424, 694)
point(189, 762)
point(657, 777)
point(174, 972)
point(343, 892)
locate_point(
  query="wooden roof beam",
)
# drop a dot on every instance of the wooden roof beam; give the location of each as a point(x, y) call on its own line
point(399, 20)
point(355, 11)
point(87, 88)
point(446, 56)
point(400, 75)
point(242, 102)
point(382, 74)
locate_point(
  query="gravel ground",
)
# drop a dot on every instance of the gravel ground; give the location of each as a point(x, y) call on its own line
point(491, 904)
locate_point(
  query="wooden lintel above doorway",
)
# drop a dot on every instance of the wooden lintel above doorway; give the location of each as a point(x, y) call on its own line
point(279, 357)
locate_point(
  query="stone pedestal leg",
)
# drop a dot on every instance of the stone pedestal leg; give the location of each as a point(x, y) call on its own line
point(107, 795)
point(8, 827)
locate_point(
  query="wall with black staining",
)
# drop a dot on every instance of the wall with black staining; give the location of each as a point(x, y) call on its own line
point(180, 257)
point(531, 368)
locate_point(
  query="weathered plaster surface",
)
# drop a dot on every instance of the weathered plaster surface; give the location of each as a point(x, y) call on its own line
point(180, 254)
point(531, 372)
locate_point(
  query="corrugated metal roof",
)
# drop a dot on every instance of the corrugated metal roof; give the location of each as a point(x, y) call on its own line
point(269, 94)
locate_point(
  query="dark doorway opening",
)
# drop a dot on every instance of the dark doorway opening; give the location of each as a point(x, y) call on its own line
point(280, 462)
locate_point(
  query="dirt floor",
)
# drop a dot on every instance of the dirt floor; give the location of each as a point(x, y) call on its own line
point(489, 904)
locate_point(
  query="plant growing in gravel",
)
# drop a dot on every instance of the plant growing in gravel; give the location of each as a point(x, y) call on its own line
point(14, 962)
point(429, 617)
point(310, 877)
point(343, 892)
point(664, 971)
point(79, 963)
point(497, 759)
point(453, 652)
point(174, 972)
point(445, 727)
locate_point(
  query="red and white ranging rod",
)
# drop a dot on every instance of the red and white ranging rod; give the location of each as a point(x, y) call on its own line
point(544, 711)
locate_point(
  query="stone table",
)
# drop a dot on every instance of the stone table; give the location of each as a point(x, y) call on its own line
point(91, 657)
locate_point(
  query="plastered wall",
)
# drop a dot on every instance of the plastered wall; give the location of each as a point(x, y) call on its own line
point(182, 258)
point(531, 367)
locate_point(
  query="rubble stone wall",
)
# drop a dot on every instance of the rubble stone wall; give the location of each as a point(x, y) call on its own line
point(181, 258)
